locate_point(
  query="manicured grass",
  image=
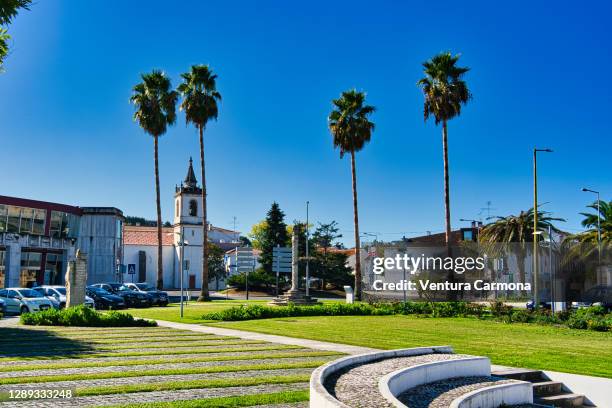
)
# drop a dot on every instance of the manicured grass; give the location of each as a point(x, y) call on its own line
point(154, 353)
point(185, 385)
point(228, 402)
point(516, 344)
point(161, 372)
point(192, 311)
point(175, 360)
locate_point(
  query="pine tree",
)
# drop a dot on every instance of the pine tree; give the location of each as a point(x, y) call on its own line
point(275, 235)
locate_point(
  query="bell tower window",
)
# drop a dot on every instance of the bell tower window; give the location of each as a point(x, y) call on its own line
point(193, 208)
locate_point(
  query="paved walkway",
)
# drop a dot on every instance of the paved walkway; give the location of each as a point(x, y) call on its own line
point(313, 344)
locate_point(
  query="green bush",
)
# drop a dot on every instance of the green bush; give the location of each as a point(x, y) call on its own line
point(500, 309)
point(257, 279)
point(521, 316)
point(83, 316)
point(441, 309)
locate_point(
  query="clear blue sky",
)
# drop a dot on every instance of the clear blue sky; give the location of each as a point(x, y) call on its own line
point(540, 77)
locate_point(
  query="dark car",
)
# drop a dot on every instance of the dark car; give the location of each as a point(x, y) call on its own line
point(543, 305)
point(159, 297)
point(103, 299)
point(132, 298)
point(597, 295)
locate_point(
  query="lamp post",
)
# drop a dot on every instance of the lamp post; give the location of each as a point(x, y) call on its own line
point(535, 224)
point(598, 225)
point(182, 244)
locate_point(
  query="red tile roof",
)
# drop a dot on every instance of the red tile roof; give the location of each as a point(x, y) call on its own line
point(146, 235)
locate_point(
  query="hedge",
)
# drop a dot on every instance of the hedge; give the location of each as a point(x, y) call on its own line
point(83, 316)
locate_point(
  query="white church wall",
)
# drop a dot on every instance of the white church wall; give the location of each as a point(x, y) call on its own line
point(131, 256)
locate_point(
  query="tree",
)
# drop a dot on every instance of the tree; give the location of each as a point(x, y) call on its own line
point(244, 241)
point(516, 229)
point(585, 245)
point(8, 11)
point(155, 103)
point(590, 221)
point(216, 266)
point(325, 235)
point(444, 92)
point(200, 97)
point(275, 234)
point(351, 129)
point(258, 234)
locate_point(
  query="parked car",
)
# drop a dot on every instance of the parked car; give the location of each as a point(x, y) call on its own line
point(24, 300)
point(103, 299)
point(58, 293)
point(543, 305)
point(597, 295)
point(159, 297)
point(132, 298)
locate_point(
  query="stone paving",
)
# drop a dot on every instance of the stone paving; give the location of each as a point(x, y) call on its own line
point(98, 352)
point(357, 385)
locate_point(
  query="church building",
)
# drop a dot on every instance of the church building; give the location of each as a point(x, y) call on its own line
point(140, 242)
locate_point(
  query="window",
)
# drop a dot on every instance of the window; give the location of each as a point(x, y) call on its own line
point(3, 213)
point(63, 225)
point(13, 219)
point(193, 208)
point(25, 226)
point(467, 235)
point(38, 223)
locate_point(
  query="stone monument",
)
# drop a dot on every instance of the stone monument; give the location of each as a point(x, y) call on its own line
point(294, 295)
point(76, 280)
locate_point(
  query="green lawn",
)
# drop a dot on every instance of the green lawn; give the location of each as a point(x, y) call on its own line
point(517, 345)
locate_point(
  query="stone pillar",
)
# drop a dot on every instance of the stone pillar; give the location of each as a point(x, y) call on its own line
point(12, 270)
point(76, 280)
point(294, 259)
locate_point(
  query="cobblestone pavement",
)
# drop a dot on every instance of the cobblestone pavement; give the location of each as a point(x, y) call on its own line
point(357, 386)
point(440, 394)
point(94, 351)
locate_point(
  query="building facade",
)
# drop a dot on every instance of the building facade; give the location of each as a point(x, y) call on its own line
point(38, 238)
point(140, 242)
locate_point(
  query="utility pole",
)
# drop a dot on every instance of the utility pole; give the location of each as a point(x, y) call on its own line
point(307, 258)
point(535, 225)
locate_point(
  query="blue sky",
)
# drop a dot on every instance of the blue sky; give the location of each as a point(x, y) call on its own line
point(540, 77)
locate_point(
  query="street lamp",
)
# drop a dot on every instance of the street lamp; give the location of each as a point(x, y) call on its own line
point(181, 244)
point(535, 223)
point(598, 224)
point(307, 258)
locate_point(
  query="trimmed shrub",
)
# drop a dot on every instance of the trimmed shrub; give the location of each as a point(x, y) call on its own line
point(83, 316)
point(521, 316)
point(500, 309)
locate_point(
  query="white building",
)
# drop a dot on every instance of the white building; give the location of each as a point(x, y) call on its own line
point(140, 243)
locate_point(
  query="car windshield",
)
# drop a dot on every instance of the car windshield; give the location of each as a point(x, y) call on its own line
point(62, 291)
point(143, 286)
point(29, 293)
point(99, 291)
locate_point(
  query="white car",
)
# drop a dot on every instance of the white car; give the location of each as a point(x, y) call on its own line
point(24, 300)
point(58, 294)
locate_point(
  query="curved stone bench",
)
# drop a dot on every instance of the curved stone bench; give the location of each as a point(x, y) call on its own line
point(397, 382)
point(321, 398)
point(516, 393)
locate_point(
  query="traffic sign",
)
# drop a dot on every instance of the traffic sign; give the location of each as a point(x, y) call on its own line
point(281, 260)
point(131, 270)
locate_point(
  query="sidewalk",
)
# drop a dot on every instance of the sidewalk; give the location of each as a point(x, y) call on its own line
point(313, 344)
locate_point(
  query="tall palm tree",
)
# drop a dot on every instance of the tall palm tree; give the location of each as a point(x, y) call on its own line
point(516, 229)
point(585, 246)
point(200, 97)
point(8, 11)
point(351, 129)
point(605, 215)
point(155, 103)
point(445, 92)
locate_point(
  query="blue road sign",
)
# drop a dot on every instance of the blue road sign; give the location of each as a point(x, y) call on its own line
point(131, 269)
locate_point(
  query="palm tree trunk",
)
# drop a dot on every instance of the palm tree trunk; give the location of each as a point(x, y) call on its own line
point(160, 267)
point(204, 294)
point(356, 221)
point(447, 218)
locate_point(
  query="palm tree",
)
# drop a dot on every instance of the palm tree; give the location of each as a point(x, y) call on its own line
point(516, 229)
point(8, 11)
point(155, 103)
point(605, 215)
point(351, 130)
point(444, 92)
point(585, 246)
point(200, 98)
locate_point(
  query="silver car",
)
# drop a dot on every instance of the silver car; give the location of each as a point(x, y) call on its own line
point(24, 300)
point(58, 293)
